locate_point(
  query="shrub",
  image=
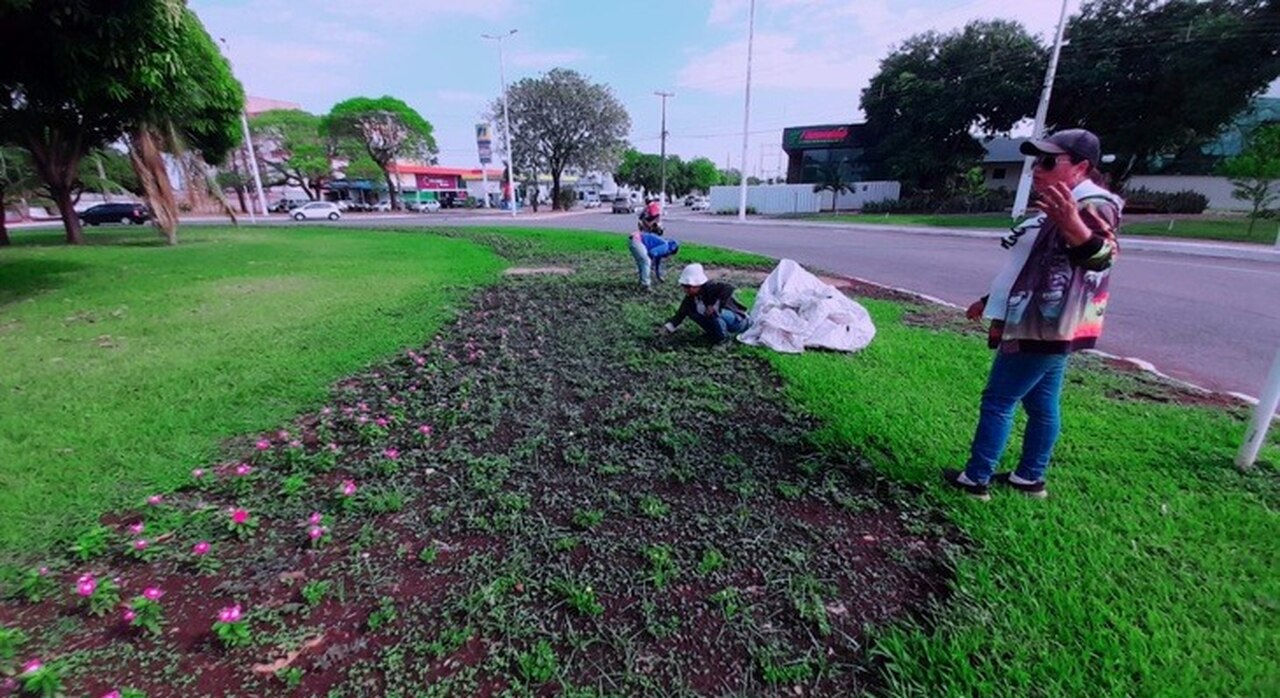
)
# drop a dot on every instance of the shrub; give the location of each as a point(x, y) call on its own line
point(1143, 200)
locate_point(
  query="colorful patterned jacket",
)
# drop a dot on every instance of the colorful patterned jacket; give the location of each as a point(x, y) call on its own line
point(1050, 298)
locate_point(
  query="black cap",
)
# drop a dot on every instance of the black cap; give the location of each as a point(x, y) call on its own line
point(1076, 142)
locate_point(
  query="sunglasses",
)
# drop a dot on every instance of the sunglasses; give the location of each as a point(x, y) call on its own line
point(1046, 162)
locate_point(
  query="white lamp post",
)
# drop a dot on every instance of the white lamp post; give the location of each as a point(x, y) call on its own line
point(506, 116)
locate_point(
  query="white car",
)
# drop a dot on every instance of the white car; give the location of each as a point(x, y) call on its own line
point(428, 206)
point(381, 206)
point(316, 209)
point(700, 203)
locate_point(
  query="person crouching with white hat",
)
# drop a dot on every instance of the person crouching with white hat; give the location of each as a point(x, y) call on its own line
point(711, 305)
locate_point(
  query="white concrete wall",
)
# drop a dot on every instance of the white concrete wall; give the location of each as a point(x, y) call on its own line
point(778, 199)
point(1218, 189)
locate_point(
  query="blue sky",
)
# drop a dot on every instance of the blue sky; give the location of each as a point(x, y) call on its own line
point(812, 58)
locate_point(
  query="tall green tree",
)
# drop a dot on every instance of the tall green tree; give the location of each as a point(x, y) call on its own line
point(702, 174)
point(17, 180)
point(386, 129)
point(1255, 171)
point(936, 91)
point(564, 122)
point(74, 76)
point(1153, 77)
point(295, 150)
point(640, 170)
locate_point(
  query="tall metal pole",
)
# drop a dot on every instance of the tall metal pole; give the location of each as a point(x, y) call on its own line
point(746, 113)
point(1042, 112)
point(663, 156)
point(506, 118)
point(248, 144)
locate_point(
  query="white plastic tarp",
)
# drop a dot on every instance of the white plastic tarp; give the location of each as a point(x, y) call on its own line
point(794, 310)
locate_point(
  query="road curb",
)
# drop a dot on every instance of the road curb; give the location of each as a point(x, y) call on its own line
point(1135, 243)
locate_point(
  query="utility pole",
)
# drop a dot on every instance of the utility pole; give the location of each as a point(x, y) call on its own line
point(663, 166)
point(253, 157)
point(1042, 112)
point(506, 117)
point(746, 112)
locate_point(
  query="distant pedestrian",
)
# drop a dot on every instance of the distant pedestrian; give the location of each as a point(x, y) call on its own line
point(649, 250)
point(711, 305)
point(1046, 303)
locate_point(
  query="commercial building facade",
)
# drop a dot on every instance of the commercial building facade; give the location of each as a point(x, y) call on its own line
point(812, 149)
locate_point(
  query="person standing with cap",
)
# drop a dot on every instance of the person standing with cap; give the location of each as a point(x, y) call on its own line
point(1046, 303)
point(711, 305)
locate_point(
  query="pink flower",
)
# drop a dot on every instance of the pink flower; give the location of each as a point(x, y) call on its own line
point(152, 593)
point(315, 532)
point(282, 435)
point(32, 667)
point(200, 548)
point(391, 454)
point(112, 694)
point(140, 544)
point(44, 571)
point(348, 487)
point(86, 585)
point(316, 519)
point(239, 516)
point(263, 444)
point(197, 473)
point(362, 406)
point(362, 420)
point(425, 430)
point(127, 615)
point(381, 421)
point(333, 447)
point(295, 444)
point(155, 500)
point(243, 469)
point(136, 529)
point(326, 411)
point(230, 614)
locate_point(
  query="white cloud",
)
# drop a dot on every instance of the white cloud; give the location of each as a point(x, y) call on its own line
point(461, 97)
point(778, 61)
point(545, 60)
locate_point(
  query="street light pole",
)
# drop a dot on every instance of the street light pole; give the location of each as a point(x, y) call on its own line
point(506, 117)
point(746, 114)
point(1042, 113)
point(663, 156)
point(253, 157)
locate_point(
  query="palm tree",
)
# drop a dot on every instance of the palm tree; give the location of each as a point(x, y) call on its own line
point(832, 178)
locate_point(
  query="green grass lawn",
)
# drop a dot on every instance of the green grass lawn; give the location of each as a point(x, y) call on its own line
point(1151, 570)
point(1209, 228)
point(128, 364)
point(1226, 230)
point(993, 221)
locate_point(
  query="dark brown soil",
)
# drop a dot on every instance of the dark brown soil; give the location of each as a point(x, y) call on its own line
point(594, 509)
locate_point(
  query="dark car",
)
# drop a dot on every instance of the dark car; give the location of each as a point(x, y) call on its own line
point(125, 214)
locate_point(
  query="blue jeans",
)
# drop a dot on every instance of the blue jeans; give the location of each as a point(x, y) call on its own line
point(720, 326)
point(641, 255)
point(1036, 381)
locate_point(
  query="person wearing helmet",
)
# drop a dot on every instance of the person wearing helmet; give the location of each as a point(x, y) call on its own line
point(651, 216)
point(711, 305)
point(649, 250)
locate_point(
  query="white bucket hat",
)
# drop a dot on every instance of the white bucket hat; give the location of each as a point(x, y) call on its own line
point(693, 275)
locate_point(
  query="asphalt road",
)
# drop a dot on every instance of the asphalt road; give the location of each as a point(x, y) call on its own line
point(1213, 322)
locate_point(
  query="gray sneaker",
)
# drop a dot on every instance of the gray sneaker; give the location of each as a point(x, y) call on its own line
point(1035, 490)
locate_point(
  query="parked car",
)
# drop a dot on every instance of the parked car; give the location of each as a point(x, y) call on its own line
point(622, 205)
point(591, 203)
point(286, 205)
point(428, 206)
point(381, 206)
point(316, 209)
point(688, 200)
point(700, 203)
point(137, 214)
